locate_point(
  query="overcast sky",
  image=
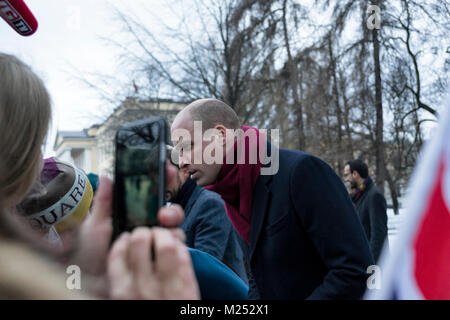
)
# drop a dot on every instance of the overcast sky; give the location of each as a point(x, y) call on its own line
point(69, 35)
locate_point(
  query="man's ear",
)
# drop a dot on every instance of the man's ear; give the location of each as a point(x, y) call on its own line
point(184, 174)
point(222, 131)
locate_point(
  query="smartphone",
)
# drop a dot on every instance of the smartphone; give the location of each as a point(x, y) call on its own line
point(139, 174)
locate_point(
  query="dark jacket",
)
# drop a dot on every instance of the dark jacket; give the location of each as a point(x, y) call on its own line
point(208, 229)
point(371, 208)
point(306, 241)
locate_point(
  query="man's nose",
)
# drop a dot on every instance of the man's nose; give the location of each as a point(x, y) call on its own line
point(182, 163)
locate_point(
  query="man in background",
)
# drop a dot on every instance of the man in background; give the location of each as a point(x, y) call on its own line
point(369, 202)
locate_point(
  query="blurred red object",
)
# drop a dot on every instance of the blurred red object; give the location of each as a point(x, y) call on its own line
point(18, 16)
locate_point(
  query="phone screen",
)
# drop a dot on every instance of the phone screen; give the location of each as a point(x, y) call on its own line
point(137, 176)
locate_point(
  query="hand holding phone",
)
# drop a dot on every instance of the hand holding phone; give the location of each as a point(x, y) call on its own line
point(140, 182)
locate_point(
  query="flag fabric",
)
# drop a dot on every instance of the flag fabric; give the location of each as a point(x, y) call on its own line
point(418, 267)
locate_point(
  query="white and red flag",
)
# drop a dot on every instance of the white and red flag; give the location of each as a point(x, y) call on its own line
point(418, 267)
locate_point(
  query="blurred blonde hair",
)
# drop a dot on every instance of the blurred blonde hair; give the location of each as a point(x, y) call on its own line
point(25, 114)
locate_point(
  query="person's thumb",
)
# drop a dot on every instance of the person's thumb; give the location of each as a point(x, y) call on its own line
point(171, 216)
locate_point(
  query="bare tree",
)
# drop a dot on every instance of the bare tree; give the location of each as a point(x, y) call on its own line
point(335, 96)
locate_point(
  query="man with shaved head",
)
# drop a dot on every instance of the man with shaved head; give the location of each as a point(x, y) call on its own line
point(298, 228)
point(209, 112)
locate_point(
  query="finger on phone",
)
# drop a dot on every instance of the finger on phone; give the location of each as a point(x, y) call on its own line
point(179, 234)
point(166, 251)
point(117, 267)
point(185, 263)
point(171, 217)
point(140, 253)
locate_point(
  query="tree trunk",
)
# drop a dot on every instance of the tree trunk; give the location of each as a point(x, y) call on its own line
point(348, 132)
point(293, 82)
point(393, 189)
point(340, 151)
point(379, 143)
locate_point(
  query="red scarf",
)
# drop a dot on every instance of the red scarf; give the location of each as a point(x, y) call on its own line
point(235, 184)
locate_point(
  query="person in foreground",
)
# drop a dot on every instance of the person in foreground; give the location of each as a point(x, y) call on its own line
point(299, 229)
point(28, 269)
point(58, 229)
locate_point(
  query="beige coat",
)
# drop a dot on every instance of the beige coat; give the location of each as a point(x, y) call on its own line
point(25, 274)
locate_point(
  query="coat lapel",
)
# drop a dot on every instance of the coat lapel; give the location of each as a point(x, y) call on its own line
point(361, 200)
point(261, 199)
point(191, 201)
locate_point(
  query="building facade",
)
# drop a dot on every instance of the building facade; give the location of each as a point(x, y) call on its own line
point(93, 150)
